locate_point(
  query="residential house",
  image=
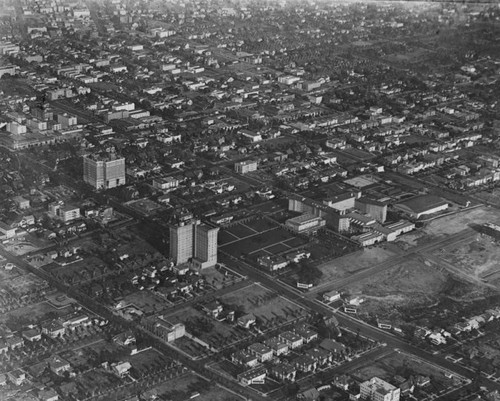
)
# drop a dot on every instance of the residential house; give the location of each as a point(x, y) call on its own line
point(16, 377)
point(333, 346)
point(14, 342)
point(284, 372)
point(247, 321)
point(212, 309)
point(278, 347)
point(244, 358)
point(293, 340)
point(58, 365)
point(261, 351)
point(53, 328)
point(331, 296)
point(320, 355)
point(121, 368)
point(307, 334)
point(305, 363)
point(311, 394)
point(48, 395)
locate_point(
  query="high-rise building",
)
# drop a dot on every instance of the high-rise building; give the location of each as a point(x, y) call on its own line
point(104, 172)
point(193, 241)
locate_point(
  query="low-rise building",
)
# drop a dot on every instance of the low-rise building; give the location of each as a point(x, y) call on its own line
point(305, 223)
point(261, 351)
point(245, 358)
point(246, 321)
point(246, 166)
point(293, 340)
point(422, 205)
point(254, 376)
point(377, 389)
point(278, 346)
point(331, 296)
point(284, 372)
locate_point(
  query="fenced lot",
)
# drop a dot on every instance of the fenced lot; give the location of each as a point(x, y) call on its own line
point(259, 241)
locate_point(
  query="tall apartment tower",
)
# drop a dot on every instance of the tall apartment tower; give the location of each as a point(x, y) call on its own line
point(104, 172)
point(193, 241)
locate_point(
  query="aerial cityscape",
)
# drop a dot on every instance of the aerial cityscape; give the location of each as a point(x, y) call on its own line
point(249, 200)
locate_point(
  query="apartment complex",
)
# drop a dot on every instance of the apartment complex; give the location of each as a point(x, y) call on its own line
point(193, 241)
point(377, 389)
point(104, 172)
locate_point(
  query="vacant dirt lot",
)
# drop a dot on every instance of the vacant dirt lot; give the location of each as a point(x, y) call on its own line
point(479, 258)
point(349, 264)
point(457, 222)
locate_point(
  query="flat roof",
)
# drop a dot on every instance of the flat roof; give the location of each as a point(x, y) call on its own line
point(422, 203)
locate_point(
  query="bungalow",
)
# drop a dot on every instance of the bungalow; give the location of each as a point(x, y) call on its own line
point(293, 340)
point(305, 363)
point(422, 381)
point(331, 296)
point(247, 321)
point(332, 346)
point(261, 351)
point(212, 309)
point(58, 365)
point(284, 371)
point(121, 368)
point(254, 376)
point(48, 395)
point(277, 346)
point(245, 359)
point(124, 339)
point(311, 394)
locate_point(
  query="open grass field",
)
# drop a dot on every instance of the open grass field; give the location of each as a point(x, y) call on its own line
point(26, 284)
point(254, 243)
point(241, 231)
point(78, 271)
point(147, 359)
point(225, 236)
point(146, 302)
point(183, 387)
point(98, 379)
point(33, 314)
point(263, 303)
